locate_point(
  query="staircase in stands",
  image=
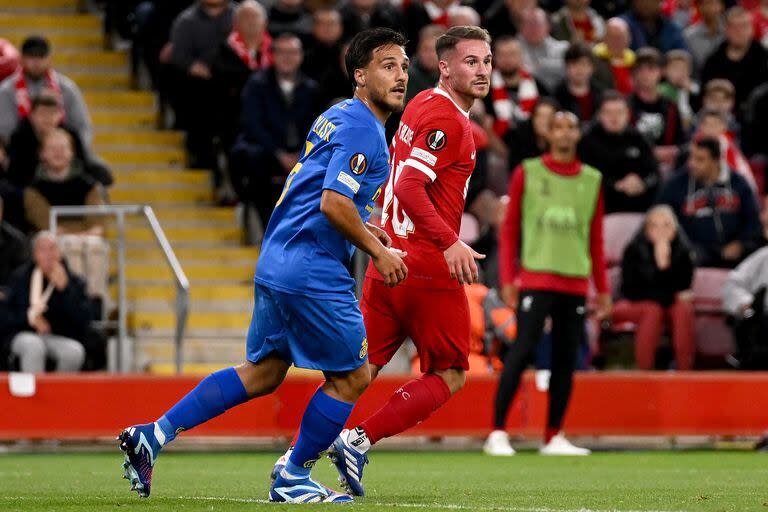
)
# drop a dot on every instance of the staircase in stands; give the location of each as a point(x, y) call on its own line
point(149, 169)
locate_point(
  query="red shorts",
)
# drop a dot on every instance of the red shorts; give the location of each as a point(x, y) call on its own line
point(436, 320)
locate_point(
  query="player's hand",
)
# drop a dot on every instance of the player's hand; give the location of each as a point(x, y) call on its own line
point(509, 294)
point(604, 306)
point(379, 233)
point(389, 263)
point(461, 262)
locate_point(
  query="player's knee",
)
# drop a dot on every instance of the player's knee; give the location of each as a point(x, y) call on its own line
point(454, 378)
point(351, 386)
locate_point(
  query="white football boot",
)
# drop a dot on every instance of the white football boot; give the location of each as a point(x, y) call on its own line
point(498, 445)
point(559, 445)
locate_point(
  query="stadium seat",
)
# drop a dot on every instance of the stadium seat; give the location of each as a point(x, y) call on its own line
point(618, 231)
point(714, 338)
point(707, 286)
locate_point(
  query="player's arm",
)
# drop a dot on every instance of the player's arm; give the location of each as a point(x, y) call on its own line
point(423, 167)
point(341, 212)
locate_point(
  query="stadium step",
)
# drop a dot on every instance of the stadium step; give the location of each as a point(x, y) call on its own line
point(173, 157)
point(48, 23)
point(210, 322)
point(163, 177)
point(39, 5)
point(122, 100)
point(132, 139)
point(98, 60)
point(165, 197)
point(109, 80)
point(192, 254)
point(193, 234)
point(138, 291)
point(93, 41)
point(242, 272)
point(138, 119)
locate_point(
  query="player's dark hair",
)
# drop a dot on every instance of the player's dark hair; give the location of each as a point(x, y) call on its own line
point(454, 35)
point(710, 144)
point(362, 46)
point(578, 51)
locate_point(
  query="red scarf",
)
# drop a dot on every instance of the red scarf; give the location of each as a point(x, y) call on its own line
point(504, 109)
point(263, 57)
point(735, 160)
point(438, 15)
point(23, 99)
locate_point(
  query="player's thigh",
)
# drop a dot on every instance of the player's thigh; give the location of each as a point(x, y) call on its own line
point(325, 334)
point(382, 325)
point(439, 325)
point(267, 334)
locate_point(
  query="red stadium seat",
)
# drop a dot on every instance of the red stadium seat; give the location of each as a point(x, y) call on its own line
point(714, 338)
point(618, 231)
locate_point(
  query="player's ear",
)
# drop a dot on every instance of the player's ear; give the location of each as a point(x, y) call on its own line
point(360, 77)
point(443, 67)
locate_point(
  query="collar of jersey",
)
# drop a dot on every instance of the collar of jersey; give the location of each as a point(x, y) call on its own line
point(438, 90)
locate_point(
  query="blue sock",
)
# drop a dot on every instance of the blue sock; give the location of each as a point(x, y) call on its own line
point(323, 421)
point(215, 394)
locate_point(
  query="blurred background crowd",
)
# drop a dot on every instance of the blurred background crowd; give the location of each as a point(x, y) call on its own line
point(653, 83)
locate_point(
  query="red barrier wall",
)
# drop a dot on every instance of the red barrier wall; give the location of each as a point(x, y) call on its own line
point(612, 403)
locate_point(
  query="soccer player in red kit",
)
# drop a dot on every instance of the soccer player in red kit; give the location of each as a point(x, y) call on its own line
point(432, 159)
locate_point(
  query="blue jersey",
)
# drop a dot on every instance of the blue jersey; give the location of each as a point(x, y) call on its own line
point(302, 252)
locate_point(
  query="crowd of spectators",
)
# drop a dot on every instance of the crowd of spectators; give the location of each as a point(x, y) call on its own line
point(672, 97)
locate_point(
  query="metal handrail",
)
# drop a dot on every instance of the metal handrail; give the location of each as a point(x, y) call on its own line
point(182, 283)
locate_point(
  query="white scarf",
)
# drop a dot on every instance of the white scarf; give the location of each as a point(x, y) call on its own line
point(38, 299)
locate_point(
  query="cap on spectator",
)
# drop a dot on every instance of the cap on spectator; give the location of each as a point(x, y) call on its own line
point(35, 46)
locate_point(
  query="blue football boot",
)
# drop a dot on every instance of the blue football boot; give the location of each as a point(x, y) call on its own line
point(141, 445)
point(303, 490)
point(349, 463)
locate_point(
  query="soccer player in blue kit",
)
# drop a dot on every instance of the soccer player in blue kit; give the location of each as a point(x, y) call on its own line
point(305, 311)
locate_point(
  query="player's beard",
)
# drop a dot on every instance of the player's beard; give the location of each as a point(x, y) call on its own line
point(383, 103)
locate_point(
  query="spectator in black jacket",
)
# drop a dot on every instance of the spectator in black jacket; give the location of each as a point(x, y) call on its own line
point(654, 115)
point(424, 73)
point(14, 251)
point(24, 148)
point(622, 155)
point(578, 92)
point(247, 49)
point(279, 105)
point(656, 277)
point(46, 314)
point(739, 58)
point(716, 207)
point(290, 16)
point(325, 46)
point(358, 15)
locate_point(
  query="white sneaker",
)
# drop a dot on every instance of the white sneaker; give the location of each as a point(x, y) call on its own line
point(498, 445)
point(559, 445)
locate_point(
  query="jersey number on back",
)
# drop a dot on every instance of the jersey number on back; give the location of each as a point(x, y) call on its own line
point(401, 223)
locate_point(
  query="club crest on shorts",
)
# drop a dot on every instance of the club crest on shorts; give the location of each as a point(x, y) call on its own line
point(364, 348)
point(436, 140)
point(358, 164)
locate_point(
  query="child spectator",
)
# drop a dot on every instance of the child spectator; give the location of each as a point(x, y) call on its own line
point(578, 92)
point(655, 116)
point(678, 86)
point(657, 272)
point(720, 95)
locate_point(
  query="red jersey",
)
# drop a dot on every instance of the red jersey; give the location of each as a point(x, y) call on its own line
point(432, 159)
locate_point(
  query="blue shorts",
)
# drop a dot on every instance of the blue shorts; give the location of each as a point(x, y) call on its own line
point(320, 334)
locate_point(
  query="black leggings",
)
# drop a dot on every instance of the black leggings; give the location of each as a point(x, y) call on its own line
point(568, 314)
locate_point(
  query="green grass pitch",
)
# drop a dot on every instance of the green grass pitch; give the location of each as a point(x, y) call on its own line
point(443, 481)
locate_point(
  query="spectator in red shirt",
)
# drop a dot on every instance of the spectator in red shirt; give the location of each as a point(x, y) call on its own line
point(577, 22)
point(556, 208)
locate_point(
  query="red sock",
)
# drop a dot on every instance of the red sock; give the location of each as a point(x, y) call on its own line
point(410, 405)
point(550, 433)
